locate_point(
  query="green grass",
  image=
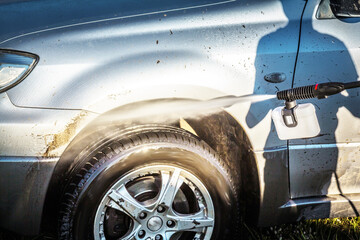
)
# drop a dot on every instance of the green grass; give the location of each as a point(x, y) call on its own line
point(325, 229)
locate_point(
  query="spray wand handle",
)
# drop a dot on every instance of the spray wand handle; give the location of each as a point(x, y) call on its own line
point(321, 90)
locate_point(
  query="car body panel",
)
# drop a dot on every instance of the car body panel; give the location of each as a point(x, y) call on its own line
point(23, 185)
point(32, 132)
point(330, 163)
point(318, 207)
point(31, 142)
point(273, 174)
point(126, 57)
point(25, 17)
point(212, 48)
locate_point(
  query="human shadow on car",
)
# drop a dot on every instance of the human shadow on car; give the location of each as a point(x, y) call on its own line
point(327, 60)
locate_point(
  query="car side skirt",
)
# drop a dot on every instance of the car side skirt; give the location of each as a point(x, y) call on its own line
point(322, 207)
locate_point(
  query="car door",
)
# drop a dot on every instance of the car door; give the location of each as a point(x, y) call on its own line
point(329, 52)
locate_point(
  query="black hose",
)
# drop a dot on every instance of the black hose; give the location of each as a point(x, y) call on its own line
point(352, 85)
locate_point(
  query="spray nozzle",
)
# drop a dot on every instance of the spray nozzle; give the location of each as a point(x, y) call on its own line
point(321, 90)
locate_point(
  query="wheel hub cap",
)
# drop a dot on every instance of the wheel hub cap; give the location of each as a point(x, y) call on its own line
point(180, 206)
point(155, 223)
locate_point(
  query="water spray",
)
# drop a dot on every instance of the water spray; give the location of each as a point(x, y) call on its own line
point(299, 120)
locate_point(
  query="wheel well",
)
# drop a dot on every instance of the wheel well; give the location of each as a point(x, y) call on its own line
point(226, 136)
point(219, 130)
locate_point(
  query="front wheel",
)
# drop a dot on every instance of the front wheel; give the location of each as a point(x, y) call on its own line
point(153, 185)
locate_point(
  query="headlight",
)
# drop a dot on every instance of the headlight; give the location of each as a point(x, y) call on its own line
point(14, 67)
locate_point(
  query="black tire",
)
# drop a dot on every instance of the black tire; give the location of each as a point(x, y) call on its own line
point(109, 160)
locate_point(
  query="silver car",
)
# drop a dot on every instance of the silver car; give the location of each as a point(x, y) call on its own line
point(108, 130)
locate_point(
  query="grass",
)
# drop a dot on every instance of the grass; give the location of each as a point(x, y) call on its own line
point(324, 229)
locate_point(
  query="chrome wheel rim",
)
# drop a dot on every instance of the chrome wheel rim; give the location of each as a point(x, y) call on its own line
point(157, 202)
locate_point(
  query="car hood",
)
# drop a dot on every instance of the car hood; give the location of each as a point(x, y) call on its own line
point(19, 17)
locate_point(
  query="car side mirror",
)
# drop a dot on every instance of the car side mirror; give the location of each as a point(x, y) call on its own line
point(345, 8)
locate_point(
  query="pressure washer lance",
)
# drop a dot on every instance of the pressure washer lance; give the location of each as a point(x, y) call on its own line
point(299, 120)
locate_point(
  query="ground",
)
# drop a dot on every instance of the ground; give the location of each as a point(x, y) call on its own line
point(329, 229)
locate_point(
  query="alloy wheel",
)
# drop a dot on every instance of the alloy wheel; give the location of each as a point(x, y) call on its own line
point(159, 202)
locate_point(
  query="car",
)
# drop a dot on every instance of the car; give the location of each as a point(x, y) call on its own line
point(118, 118)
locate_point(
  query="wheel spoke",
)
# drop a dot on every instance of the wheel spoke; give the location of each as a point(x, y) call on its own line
point(129, 238)
point(170, 186)
point(168, 235)
point(126, 203)
point(195, 225)
point(193, 222)
point(133, 234)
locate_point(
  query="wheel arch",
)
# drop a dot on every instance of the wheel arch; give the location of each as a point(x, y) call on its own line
point(219, 130)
